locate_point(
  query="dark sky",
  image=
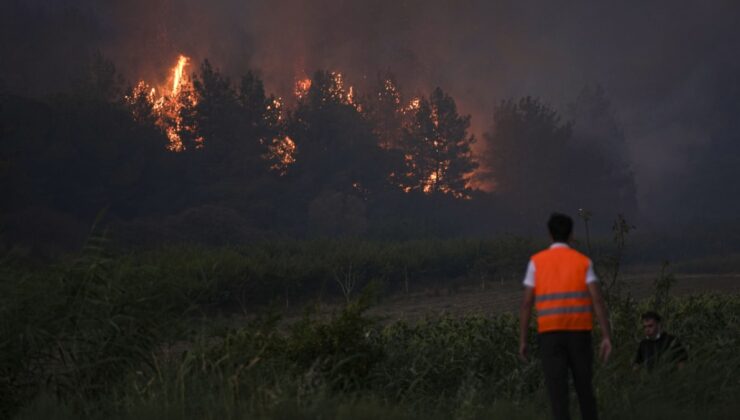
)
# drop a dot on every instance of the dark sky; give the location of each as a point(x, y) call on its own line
point(667, 66)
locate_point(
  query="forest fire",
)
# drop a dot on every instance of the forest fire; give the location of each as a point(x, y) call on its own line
point(302, 86)
point(168, 102)
point(284, 150)
point(177, 74)
point(173, 107)
point(413, 105)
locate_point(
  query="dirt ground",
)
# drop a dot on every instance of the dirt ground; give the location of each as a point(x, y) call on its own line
point(497, 297)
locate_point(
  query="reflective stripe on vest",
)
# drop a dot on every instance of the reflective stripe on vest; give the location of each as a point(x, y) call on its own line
point(558, 296)
point(561, 295)
point(565, 310)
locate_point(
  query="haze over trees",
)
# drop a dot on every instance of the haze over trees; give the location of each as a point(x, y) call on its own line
point(539, 161)
point(222, 161)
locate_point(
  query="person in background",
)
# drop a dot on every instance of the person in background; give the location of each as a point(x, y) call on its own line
point(658, 347)
point(561, 284)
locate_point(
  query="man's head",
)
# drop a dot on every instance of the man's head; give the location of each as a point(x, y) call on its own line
point(651, 324)
point(560, 227)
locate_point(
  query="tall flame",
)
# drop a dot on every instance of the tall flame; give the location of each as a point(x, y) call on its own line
point(168, 101)
point(177, 74)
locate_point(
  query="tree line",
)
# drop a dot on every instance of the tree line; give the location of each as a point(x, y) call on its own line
point(330, 162)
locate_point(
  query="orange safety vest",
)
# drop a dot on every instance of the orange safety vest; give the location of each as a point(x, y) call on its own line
point(562, 298)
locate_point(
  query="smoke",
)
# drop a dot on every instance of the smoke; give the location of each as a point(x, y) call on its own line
point(657, 61)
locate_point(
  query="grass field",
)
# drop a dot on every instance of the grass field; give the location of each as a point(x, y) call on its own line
point(429, 334)
point(498, 297)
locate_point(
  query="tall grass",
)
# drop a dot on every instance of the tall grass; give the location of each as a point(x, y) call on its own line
point(289, 271)
point(113, 336)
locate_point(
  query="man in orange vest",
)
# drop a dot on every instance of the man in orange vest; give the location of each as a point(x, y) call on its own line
point(561, 284)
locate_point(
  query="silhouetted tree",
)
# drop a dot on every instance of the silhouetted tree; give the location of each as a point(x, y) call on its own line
point(230, 128)
point(526, 156)
point(261, 122)
point(603, 168)
point(335, 146)
point(538, 165)
point(216, 111)
point(101, 81)
point(705, 190)
point(261, 114)
point(437, 150)
point(383, 108)
point(81, 152)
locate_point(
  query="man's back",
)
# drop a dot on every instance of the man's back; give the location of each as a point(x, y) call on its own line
point(560, 267)
point(560, 283)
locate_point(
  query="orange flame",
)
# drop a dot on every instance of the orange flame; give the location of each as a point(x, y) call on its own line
point(336, 92)
point(167, 106)
point(302, 86)
point(413, 105)
point(283, 152)
point(177, 74)
point(351, 95)
point(391, 90)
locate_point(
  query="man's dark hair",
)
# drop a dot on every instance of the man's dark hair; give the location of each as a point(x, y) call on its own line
point(651, 315)
point(560, 226)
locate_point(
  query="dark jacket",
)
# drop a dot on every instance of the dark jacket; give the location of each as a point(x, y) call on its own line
point(666, 349)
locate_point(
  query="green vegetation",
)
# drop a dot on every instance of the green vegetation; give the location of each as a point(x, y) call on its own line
point(139, 335)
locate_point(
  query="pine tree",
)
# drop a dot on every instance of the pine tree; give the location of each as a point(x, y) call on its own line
point(437, 148)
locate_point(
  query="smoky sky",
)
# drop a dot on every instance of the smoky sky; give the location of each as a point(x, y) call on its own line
point(665, 65)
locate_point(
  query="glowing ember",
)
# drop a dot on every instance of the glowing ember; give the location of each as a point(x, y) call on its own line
point(276, 105)
point(413, 105)
point(302, 86)
point(274, 111)
point(337, 91)
point(430, 183)
point(142, 90)
point(392, 91)
point(351, 95)
point(283, 152)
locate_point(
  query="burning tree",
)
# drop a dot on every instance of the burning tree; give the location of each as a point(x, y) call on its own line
point(385, 111)
point(241, 125)
point(167, 105)
point(335, 145)
point(236, 125)
point(437, 149)
point(329, 136)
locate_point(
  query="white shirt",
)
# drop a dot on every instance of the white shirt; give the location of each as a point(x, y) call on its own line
point(529, 277)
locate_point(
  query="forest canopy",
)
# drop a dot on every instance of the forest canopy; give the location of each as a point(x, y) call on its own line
point(212, 159)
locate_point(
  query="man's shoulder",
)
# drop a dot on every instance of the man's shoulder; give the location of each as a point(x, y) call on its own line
point(578, 253)
point(540, 254)
point(552, 252)
point(671, 339)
